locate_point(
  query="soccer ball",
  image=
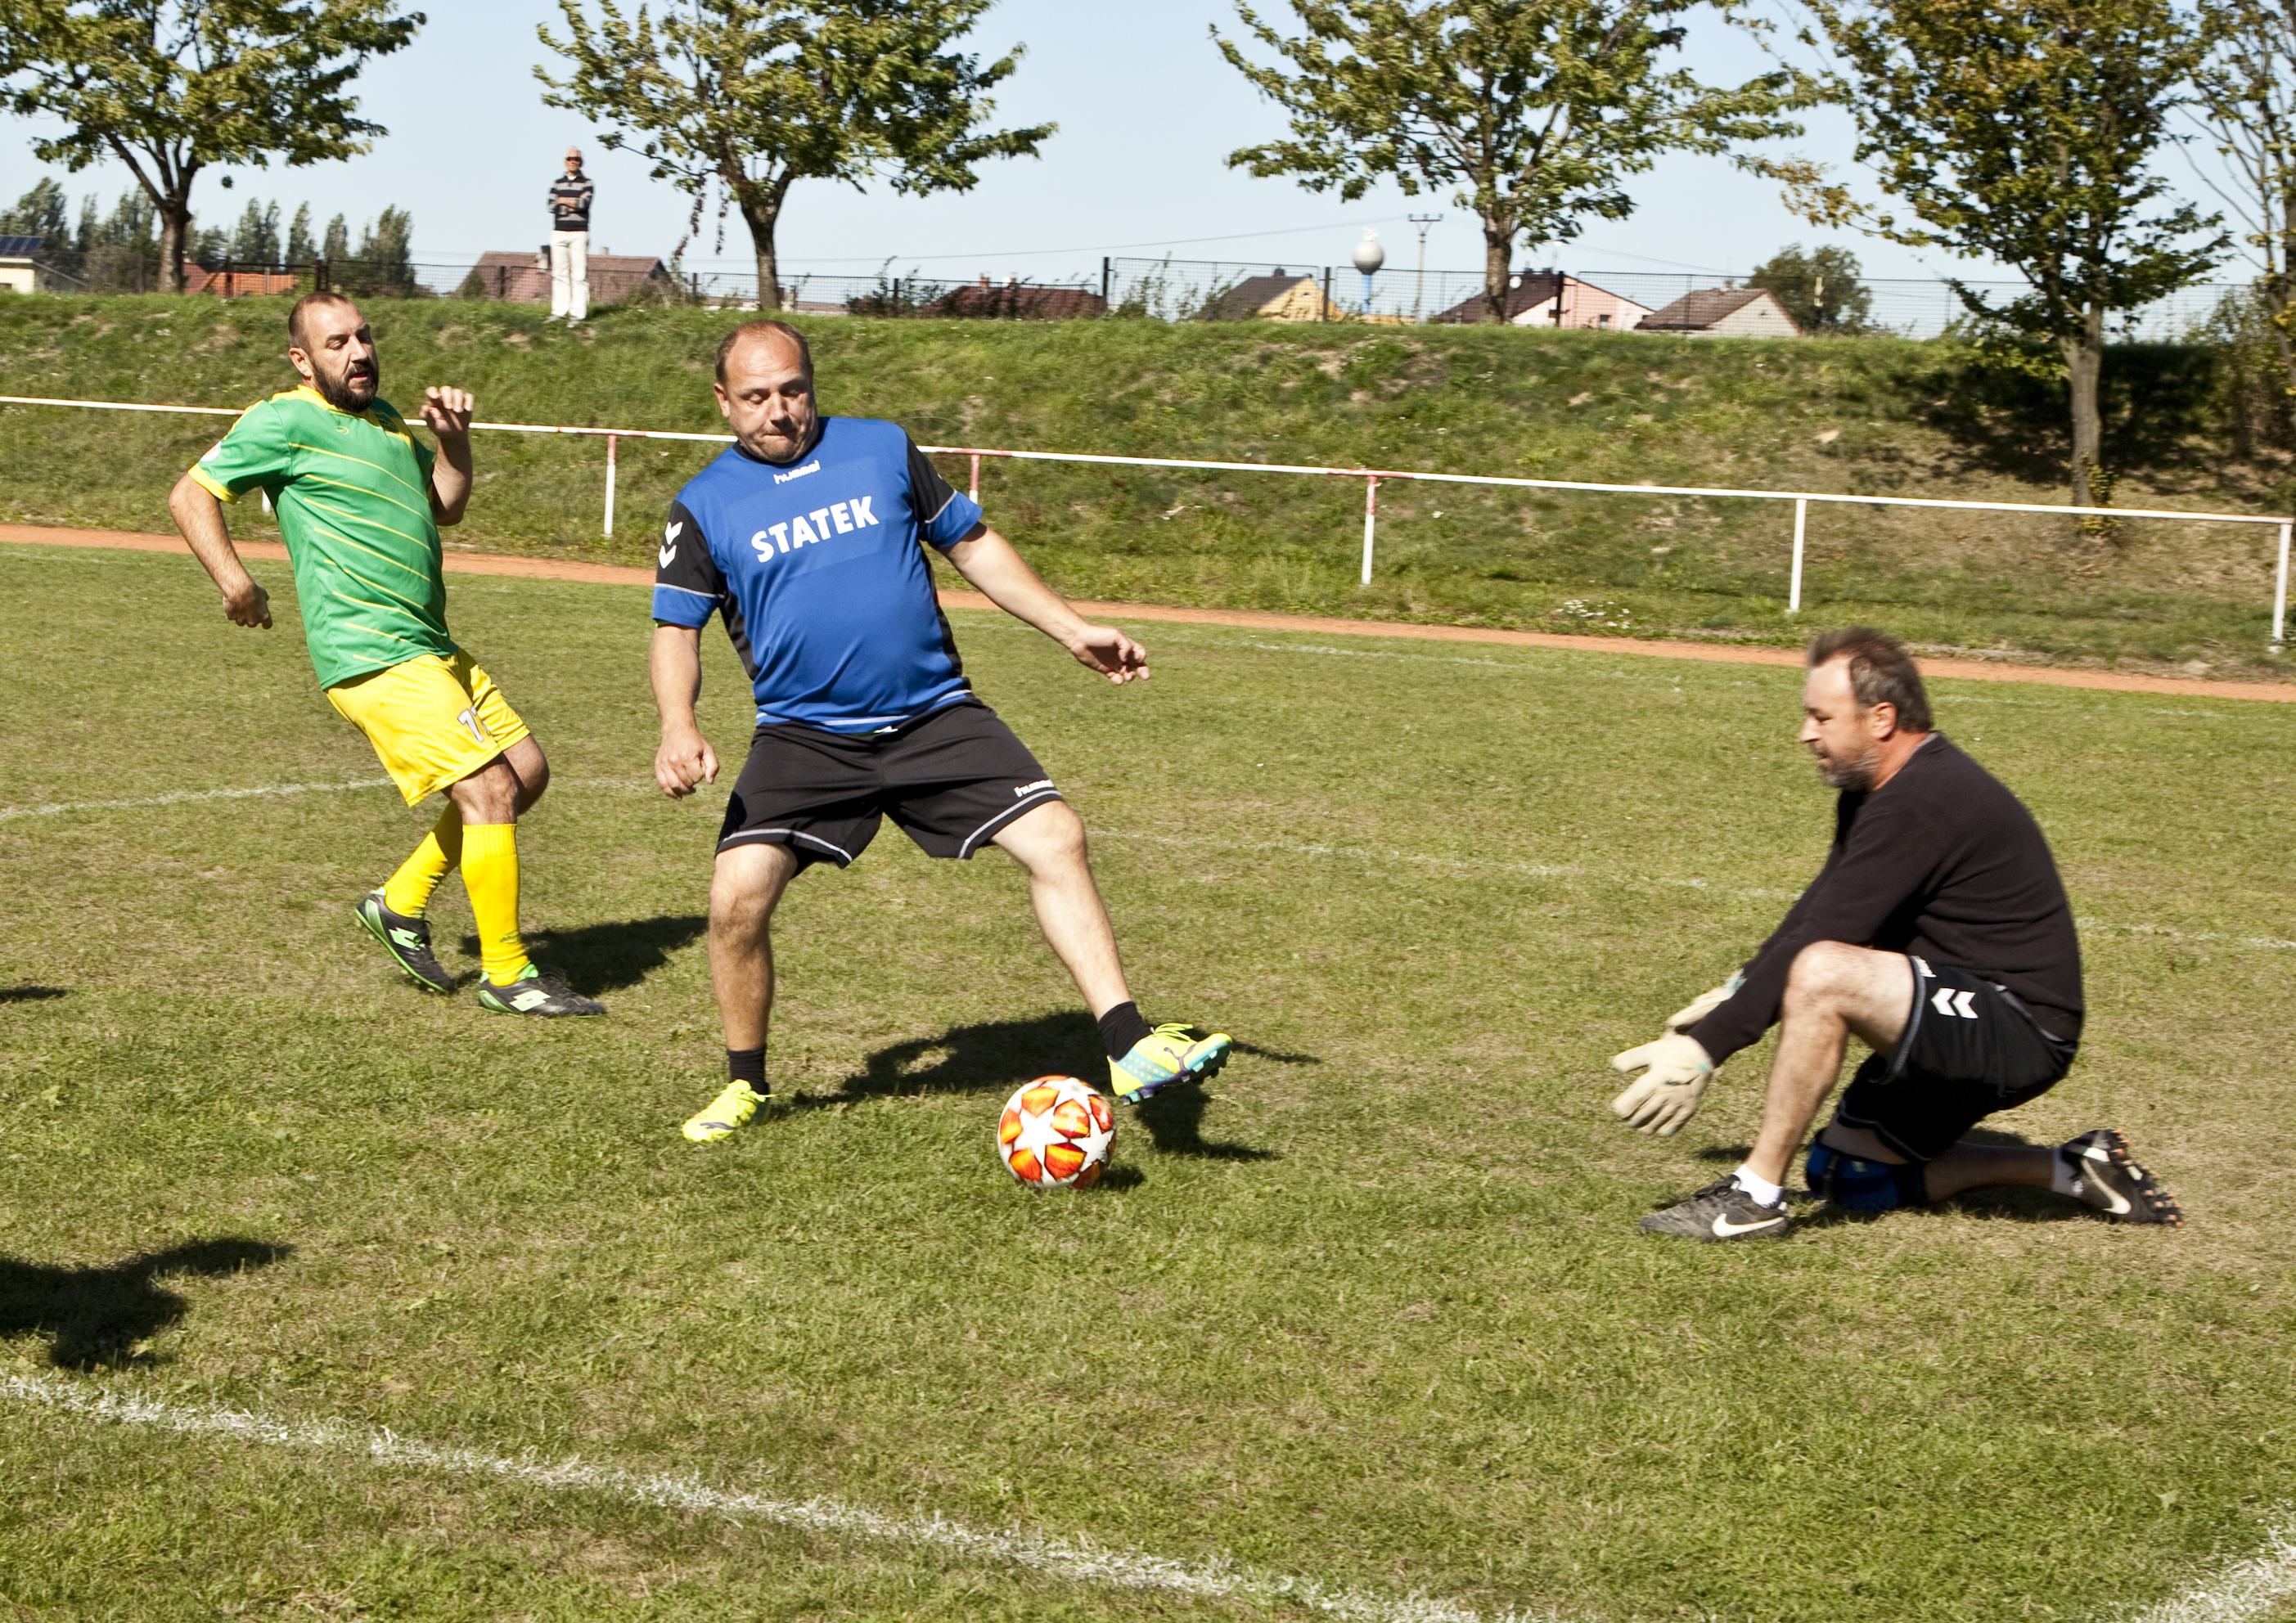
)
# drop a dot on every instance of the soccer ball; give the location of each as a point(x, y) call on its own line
point(1055, 1133)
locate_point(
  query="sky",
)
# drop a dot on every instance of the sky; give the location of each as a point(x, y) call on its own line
point(1148, 112)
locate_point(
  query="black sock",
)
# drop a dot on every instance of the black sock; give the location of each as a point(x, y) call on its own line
point(747, 1065)
point(1120, 1028)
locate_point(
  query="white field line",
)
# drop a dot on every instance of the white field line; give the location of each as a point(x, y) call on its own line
point(1087, 1565)
point(1466, 866)
point(2240, 1591)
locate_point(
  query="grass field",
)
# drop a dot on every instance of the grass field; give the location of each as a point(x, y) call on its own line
point(1866, 416)
point(1372, 1314)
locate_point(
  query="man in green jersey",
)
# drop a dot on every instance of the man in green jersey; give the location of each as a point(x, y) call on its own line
point(360, 502)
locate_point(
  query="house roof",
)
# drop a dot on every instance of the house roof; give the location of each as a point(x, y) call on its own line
point(1018, 300)
point(1253, 294)
point(238, 284)
point(1696, 311)
point(20, 247)
point(1531, 289)
point(515, 276)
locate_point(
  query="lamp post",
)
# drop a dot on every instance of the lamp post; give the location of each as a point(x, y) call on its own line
point(1369, 256)
point(1419, 289)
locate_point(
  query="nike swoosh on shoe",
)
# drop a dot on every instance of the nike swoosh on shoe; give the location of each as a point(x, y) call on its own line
point(1723, 1229)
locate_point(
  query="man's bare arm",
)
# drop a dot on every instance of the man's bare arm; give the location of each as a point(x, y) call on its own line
point(685, 762)
point(991, 564)
point(447, 412)
point(199, 516)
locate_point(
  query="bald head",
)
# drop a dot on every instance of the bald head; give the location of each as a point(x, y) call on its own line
point(765, 390)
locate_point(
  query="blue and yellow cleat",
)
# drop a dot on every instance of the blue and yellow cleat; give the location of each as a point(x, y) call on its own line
point(1166, 1056)
point(730, 1110)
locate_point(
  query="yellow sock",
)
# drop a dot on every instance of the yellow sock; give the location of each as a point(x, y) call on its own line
point(408, 890)
point(490, 875)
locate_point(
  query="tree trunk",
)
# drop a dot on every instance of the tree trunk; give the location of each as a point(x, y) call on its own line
point(1498, 251)
point(175, 225)
point(2084, 369)
point(761, 209)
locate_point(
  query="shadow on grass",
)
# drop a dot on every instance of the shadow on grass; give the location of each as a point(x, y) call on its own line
point(999, 1055)
point(30, 994)
point(598, 958)
point(98, 1318)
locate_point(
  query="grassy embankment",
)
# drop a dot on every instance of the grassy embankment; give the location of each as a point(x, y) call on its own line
point(1881, 416)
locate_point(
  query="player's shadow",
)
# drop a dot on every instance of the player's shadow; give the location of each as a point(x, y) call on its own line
point(997, 1055)
point(598, 958)
point(100, 1317)
point(30, 994)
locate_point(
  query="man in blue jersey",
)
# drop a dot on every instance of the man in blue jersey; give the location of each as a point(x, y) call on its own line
point(808, 538)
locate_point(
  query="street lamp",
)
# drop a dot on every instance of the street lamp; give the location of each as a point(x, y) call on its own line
point(1369, 256)
point(1419, 291)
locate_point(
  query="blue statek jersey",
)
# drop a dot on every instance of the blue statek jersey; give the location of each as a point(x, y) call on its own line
point(817, 569)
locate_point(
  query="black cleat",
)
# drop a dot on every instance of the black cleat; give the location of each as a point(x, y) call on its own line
point(1720, 1211)
point(536, 993)
point(406, 939)
point(2106, 1178)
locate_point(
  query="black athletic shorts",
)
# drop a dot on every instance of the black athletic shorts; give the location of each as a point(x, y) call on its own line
point(1969, 1049)
point(950, 779)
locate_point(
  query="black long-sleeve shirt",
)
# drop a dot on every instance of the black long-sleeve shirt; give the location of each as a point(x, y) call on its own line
point(1942, 861)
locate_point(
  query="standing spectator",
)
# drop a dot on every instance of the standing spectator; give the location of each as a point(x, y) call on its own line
point(570, 241)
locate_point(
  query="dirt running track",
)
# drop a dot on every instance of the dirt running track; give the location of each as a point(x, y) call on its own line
point(616, 575)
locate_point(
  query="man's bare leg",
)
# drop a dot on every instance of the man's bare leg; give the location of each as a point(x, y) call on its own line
point(1143, 1060)
point(1833, 991)
point(743, 892)
point(1049, 842)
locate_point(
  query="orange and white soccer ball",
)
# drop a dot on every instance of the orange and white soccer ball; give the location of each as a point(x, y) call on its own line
point(1055, 1133)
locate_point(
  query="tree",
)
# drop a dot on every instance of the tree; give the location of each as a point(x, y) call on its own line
point(2247, 85)
point(1820, 290)
point(337, 245)
point(41, 212)
point(752, 96)
point(2025, 134)
point(300, 249)
point(384, 263)
point(256, 241)
point(1535, 111)
point(172, 86)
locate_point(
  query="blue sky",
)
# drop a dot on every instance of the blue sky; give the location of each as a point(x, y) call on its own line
point(1148, 113)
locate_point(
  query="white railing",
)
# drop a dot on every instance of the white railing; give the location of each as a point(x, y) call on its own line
point(1374, 478)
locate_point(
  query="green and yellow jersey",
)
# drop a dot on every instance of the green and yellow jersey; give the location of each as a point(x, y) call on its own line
point(352, 491)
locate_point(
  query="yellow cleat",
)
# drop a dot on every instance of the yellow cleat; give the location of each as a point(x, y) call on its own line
point(1166, 1056)
point(730, 1109)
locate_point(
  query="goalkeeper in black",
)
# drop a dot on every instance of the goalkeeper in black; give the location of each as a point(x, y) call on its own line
point(1938, 934)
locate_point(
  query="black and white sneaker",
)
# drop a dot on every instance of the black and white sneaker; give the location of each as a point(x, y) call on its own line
point(1720, 1211)
point(2108, 1179)
point(406, 939)
point(536, 992)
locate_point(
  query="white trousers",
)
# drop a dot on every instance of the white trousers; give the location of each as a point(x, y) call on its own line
point(570, 274)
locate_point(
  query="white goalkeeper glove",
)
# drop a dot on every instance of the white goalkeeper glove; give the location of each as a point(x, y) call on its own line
point(1676, 1070)
point(1698, 1007)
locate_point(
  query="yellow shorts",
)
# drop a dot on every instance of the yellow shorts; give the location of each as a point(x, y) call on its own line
point(432, 720)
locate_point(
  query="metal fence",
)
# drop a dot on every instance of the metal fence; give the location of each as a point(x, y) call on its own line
point(1372, 478)
point(1163, 290)
point(1218, 290)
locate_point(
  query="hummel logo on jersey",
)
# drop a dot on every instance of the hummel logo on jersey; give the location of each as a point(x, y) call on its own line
point(1030, 789)
point(837, 519)
point(669, 542)
point(1947, 1001)
point(812, 467)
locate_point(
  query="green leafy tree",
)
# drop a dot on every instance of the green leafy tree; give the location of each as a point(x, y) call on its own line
point(300, 249)
point(1534, 113)
point(170, 88)
point(2026, 133)
point(2247, 85)
point(337, 245)
point(751, 96)
point(256, 241)
point(1820, 289)
point(383, 262)
point(120, 251)
point(41, 212)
